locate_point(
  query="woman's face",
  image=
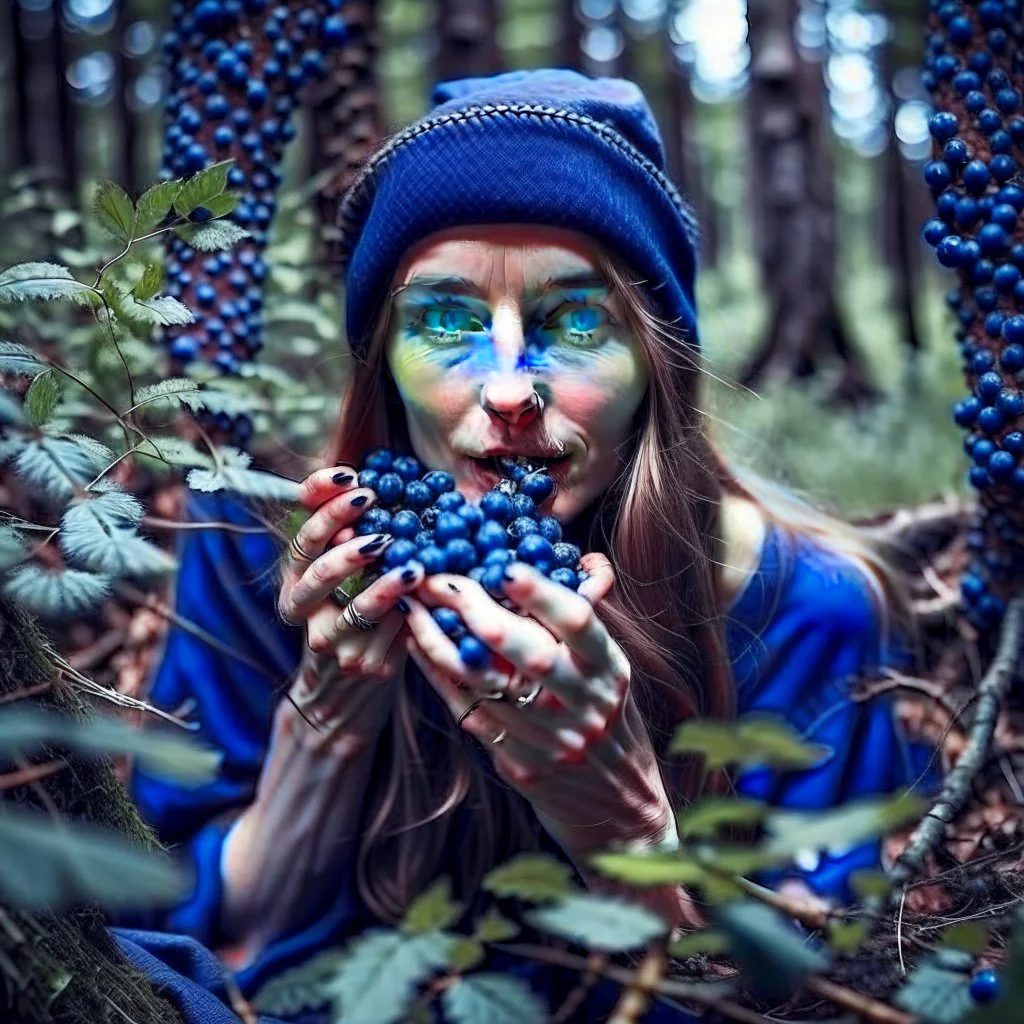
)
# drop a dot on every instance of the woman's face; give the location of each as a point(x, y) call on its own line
point(484, 316)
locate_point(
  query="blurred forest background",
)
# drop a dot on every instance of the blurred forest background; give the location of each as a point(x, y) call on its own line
point(798, 128)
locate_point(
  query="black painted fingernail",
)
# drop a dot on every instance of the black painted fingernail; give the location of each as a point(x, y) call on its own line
point(374, 545)
point(360, 500)
point(403, 606)
point(451, 586)
point(409, 575)
point(342, 478)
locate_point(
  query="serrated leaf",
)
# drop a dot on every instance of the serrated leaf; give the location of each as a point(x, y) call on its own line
point(51, 865)
point(709, 943)
point(168, 390)
point(25, 728)
point(42, 282)
point(753, 740)
point(51, 467)
point(775, 958)
point(306, 987)
point(162, 450)
point(250, 482)
point(651, 867)
point(935, 994)
point(99, 535)
point(42, 397)
point(494, 927)
point(150, 283)
point(19, 360)
point(467, 953)
point(432, 910)
point(847, 936)
point(56, 595)
point(970, 936)
point(707, 816)
point(847, 825)
point(599, 922)
point(533, 877)
point(202, 187)
point(382, 971)
point(154, 204)
point(114, 211)
point(164, 310)
point(220, 206)
point(212, 237)
point(12, 548)
point(216, 401)
point(493, 999)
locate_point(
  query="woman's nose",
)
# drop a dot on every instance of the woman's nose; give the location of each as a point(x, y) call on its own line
point(512, 399)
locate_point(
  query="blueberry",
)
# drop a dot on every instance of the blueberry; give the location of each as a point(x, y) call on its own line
point(950, 251)
point(991, 420)
point(407, 467)
point(400, 552)
point(379, 459)
point(534, 548)
point(1010, 402)
point(433, 558)
point(428, 517)
point(369, 478)
point(565, 576)
point(985, 987)
point(449, 620)
point(523, 505)
point(473, 516)
point(452, 500)
point(989, 384)
point(374, 520)
point(537, 486)
point(390, 488)
point(496, 506)
point(417, 494)
point(184, 347)
point(499, 556)
point(334, 31)
point(493, 579)
point(461, 555)
point(935, 231)
point(449, 526)
point(1013, 330)
point(566, 555)
point(473, 653)
point(405, 523)
point(206, 295)
point(943, 125)
point(937, 175)
point(1013, 442)
point(256, 94)
point(976, 176)
point(491, 536)
point(1002, 464)
point(550, 528)
point(439, 482)
point(523, 526)
point(982, 451)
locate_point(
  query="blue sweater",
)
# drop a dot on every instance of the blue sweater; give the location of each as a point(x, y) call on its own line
point(800, 631)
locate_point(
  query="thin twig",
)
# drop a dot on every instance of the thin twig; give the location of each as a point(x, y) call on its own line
point(872, 1010)
point(207, 524)
point(595, 963)
point(899, 933)
point(635, 998)
point(30, 773)
point(957, 785)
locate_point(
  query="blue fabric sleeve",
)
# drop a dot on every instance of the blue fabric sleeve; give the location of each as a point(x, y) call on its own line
point(226, 586)
point(825, 632)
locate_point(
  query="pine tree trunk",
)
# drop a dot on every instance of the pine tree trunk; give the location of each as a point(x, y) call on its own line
point(793, 200)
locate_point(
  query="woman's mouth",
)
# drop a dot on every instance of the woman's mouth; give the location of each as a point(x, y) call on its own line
point(493, 468)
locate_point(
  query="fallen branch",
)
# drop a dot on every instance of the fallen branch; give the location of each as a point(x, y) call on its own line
point(957, 785)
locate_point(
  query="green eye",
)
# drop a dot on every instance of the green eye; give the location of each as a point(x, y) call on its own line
point(446, 325)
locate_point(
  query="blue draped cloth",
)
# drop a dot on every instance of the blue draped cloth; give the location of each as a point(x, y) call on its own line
point(798, 634)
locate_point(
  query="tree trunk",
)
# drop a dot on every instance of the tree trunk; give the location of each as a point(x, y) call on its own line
point(125, 67)
point(793, 200)
point(38, 949)
point(467, 42)
point(21, 144)
point(570, 35)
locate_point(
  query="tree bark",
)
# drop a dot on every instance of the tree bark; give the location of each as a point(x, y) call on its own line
point(793, 201)
point(467, 42)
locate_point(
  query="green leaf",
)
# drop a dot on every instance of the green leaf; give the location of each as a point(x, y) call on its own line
point(166, 390)
point(250, 482)
point(774, 957)
point(493, 927)
point(216, 400)
point(493, 999)
point(114, 211)
point(936, 994)
point(220, 206)
point(532, 877)
point(653, 867)
point(847, 825)
point(432, 910)
point(150, 283)
point(57, 595)
point(202, 187)
point(847, 936)
point(709, 943)
point(12, 548)
point(42, 397)
point(26, 728)
point(753, 740)
point(19, 360)
point(379, 978)
point(707, 816)
point(154, 204)
point(306, 987)
point(599, 922)
point(212, 237)
point(50, 865)
point(158, 451)
point(99, 534)
point(970, 936)
point(466, 954)
point(42, 282)
point(164, 310)
point(868, 884)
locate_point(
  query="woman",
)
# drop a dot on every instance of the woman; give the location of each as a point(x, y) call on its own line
point(519, 281)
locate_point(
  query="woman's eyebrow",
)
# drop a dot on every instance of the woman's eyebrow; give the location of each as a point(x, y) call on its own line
point(449, 285)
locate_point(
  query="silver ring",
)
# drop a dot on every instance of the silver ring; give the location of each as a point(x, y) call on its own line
point(356, 619)
point(296, 551)
point(499, 738)
point(465, 714)
point(528, 699)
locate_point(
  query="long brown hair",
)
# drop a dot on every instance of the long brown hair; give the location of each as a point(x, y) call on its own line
point(658, 525)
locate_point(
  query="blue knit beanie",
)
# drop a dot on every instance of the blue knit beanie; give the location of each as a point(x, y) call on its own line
point(549, 146)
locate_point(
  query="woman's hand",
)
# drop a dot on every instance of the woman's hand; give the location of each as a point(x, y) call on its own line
point(578, 751)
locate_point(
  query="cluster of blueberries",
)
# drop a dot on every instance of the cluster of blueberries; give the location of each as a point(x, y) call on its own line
point(968, 65)
point(237, 69)
point(433, 524)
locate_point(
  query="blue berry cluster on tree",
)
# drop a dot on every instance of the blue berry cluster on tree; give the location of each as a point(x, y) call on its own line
point(973, 67)
point(238, 69)
point(433, 524)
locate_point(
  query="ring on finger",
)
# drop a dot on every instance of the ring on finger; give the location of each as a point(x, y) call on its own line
point(297, 552)
point(356, 620)
point(500, 737)
point(526, 700)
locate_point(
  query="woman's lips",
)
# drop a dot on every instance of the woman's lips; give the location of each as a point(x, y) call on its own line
point(484, 472)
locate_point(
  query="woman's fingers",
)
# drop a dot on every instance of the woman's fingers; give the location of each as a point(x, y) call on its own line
point(324, 575)
point(602, 577)
point(382, 595)
point(324, 484)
